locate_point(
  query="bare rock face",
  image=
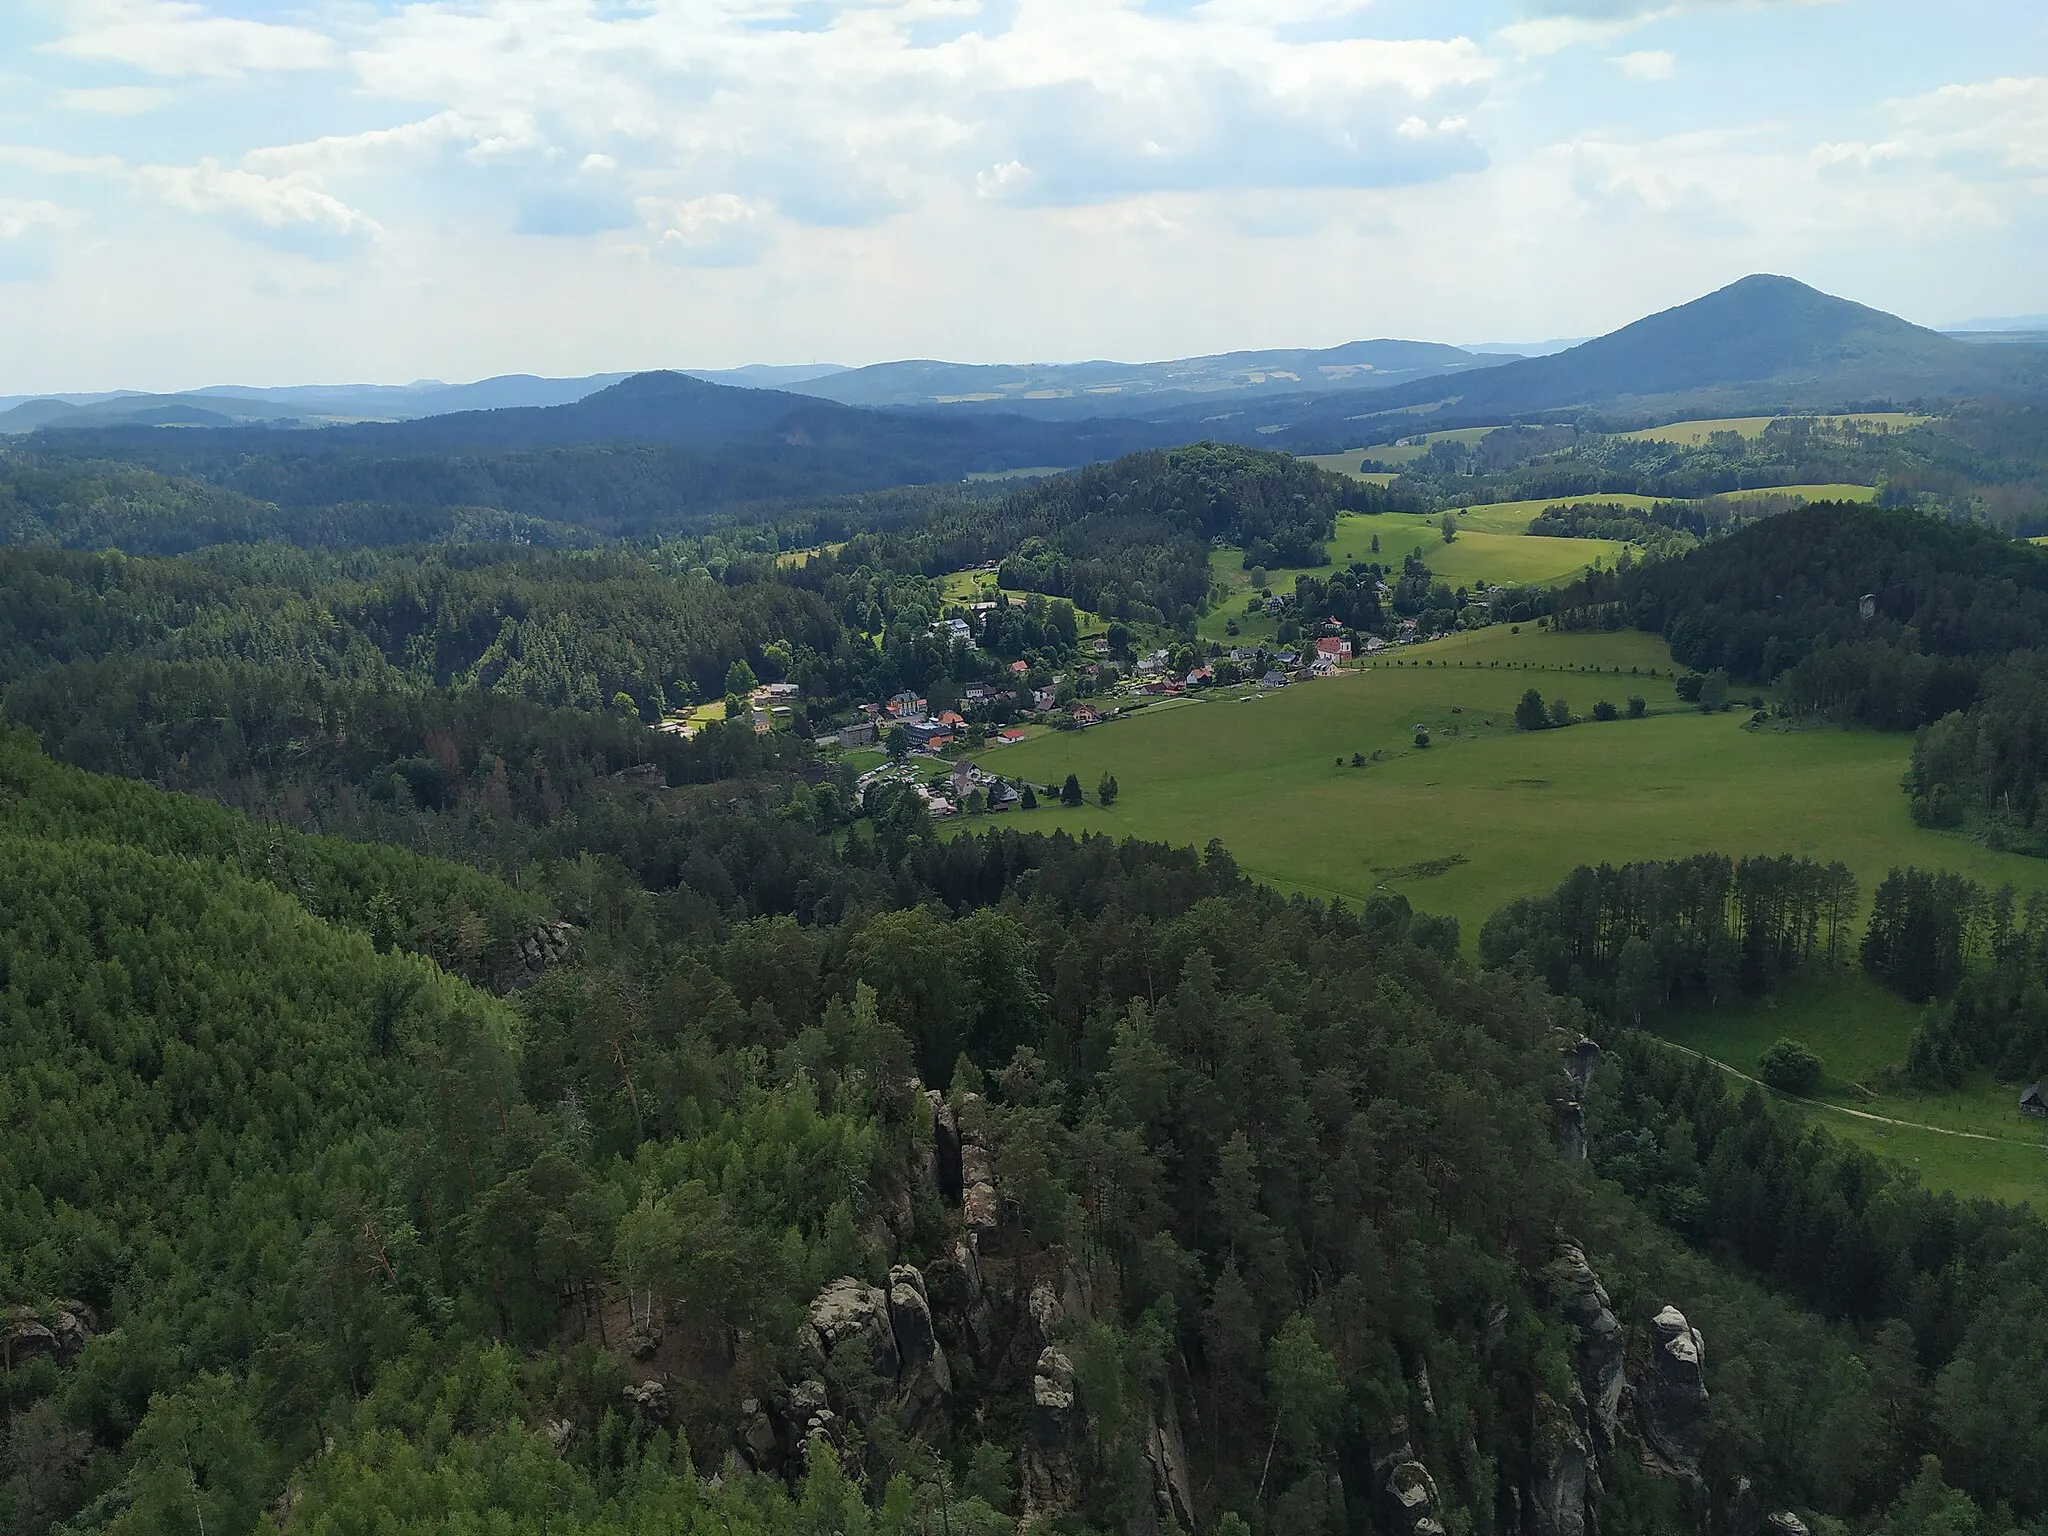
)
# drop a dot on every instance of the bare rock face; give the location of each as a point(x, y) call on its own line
point(1173, 1496)
point(945, 1146)
point(1581, 1060)
point(547, 943)
point(959, 1307)
point(1413, 1505)
point(1564, 1490)
point(1573, 1142)
point(851, 1315)
point(1051, 1470)
point(1603, 1345)
point(59, 1332)
point(924, 1382)
point(757, 1440)
point(978, 1201)
point(646, 1401)
point(1671, 1397)
point(1577, 1061)
point(811, 1423)
point(1044, 1307)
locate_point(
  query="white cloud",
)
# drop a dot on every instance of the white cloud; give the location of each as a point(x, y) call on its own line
point(2000, 122)
point(294, 203)
point(868, 115)
point(176, 37)
point(1647, 64)
point(720, 230)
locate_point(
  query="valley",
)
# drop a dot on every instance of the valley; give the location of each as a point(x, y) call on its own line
point(883, 951)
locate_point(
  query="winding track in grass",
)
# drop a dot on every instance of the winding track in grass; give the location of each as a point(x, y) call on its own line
point(1840, 1109)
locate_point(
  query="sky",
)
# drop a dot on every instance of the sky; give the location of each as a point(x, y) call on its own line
point(245, 191)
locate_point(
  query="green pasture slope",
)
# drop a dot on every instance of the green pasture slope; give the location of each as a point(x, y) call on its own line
point(1486, 812)
point(1973, 1140)
point(1491, 549)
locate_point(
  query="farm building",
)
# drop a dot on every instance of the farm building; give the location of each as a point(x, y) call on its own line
point(2034, 1101)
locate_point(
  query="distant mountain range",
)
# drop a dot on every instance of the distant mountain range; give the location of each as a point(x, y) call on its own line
point(1764, 344)
point(1067, 391)
point(1051, 391)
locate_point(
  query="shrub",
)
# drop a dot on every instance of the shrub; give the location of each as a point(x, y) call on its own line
point(1637, 706)
point(1560, 712)
point(1422, 738)
point(1604, 710)
point(1790, 1067)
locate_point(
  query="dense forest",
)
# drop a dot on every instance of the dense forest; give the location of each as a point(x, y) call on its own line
point(433, 1100)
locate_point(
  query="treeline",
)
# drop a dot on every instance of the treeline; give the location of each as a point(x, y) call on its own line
point(1985, 767)
point(1761, 602)
point(313, 1196)
point(1980, 959)
point(568, 631)
point(1984, 462)
point(1943, 1295)
point(1890, 619)
point(1627, 940)
point(465, 921)
point(1129, 538)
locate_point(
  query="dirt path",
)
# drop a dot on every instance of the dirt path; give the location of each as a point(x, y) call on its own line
point(1843, 1109)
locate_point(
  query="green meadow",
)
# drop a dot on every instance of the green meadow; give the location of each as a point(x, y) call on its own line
point(1486, 813)
point(1972, 1140)
point(1692, 434)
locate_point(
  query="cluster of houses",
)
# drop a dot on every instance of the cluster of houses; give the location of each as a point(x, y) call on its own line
point(932, 730)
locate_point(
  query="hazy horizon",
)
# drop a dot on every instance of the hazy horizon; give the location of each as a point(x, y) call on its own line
point(238, 191)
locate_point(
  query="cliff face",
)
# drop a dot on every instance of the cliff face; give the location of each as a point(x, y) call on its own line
point(1006, 1313)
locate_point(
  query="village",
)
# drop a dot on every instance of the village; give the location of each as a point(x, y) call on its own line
point(928, 743)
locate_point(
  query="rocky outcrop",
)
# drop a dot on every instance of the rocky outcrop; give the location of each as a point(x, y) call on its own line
point(1784, 1523)
point(57, 1332)
point(961, 1315)
point(646, 1402)
point(1173, 1496)
point(1052, 1477)
point(1413, 1505)
point(1577, 1061)
point(809, 1414)
point(924, 1382)
point(1671, 1396)
point(1564, 1489)
point(873, 1351)
point(945, 1146)
point(548, 943)
point(849, 1334)
point(1580, 1060)
point(1602, 1353)
point(978, 1186)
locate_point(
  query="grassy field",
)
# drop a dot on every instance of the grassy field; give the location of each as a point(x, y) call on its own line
point(1489, 549)
point(1486, 812)
point(1694, 433)
point(1858, 1029)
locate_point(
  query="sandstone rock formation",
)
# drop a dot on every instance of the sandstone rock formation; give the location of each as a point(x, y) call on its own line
point(1671, 1397)
point(1414, 1507)
point(1052, 1478)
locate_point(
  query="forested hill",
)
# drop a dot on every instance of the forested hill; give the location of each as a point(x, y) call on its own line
point(657, 447)
point(1132, 537)
point(1760, 601)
